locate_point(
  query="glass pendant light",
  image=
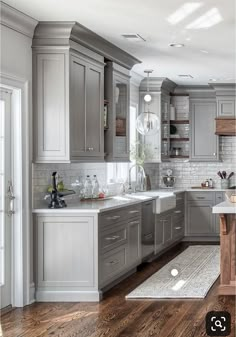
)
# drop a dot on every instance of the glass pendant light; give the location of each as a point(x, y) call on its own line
point(147, 123)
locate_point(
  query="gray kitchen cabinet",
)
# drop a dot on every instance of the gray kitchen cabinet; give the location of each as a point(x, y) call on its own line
point(86, 106)
point(68, 105)
point(148, 228)
point(201, 222)
point(204, 142)
point(117, 94)
point(66, 255)
point(226, 106)
point(134, 242)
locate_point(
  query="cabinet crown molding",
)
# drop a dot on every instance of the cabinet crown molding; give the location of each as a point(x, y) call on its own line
point(61, 33)
point(16, 20)
point(158, 84)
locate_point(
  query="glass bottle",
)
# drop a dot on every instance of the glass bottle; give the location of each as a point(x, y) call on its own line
point(88, 188)
point(95, 189)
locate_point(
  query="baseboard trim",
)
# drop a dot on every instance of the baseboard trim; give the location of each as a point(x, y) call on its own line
point(32, 293)
point(67, 296)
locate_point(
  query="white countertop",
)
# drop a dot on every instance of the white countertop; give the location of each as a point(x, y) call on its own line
point(109, 204)
point(225, 207)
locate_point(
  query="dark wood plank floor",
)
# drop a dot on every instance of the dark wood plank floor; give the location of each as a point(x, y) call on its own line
point(116, 317)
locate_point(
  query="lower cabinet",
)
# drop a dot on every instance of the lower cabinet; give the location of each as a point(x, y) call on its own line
point(119, 243)
point(201, 222)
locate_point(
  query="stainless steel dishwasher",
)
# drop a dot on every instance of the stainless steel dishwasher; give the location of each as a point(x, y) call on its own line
point(148, 228)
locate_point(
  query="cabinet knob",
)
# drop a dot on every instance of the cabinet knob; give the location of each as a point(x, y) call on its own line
point(90, 149)
point(214, 154)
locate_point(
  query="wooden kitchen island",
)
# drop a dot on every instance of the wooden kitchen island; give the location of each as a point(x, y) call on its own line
point(227, 213)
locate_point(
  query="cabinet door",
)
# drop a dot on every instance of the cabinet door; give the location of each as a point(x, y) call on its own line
point(94, 111)
point(51, 122)
point(134, 242)
point(226, 106)
point(163, 232)
point(66, 251)
point(204, 142)
point(121, 100)
point(200, 220)
point(86, 104)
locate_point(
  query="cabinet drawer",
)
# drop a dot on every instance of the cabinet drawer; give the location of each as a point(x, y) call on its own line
point(219, 197)
point(111, 239)
point(201, 196)
point(116, 216)
point(178, 229)
point(113, 263)
point(180, 198)
point(178, 212)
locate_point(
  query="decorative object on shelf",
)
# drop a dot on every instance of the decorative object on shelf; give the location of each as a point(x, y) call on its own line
point(173, 129)
point(176, 151)
point(120, 126)
point(147, 122)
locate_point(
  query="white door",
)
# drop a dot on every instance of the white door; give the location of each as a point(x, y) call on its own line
point(6, 199)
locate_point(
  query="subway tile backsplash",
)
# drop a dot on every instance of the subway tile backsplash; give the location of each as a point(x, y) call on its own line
point(187, 173)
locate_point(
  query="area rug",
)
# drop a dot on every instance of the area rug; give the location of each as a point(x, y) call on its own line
point(189, 275)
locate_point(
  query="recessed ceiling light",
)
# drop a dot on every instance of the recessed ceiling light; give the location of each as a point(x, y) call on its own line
point(204, 51)
point(176, 45)
point(133, 36)
point(185, 75)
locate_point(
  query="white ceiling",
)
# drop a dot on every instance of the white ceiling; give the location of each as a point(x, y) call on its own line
point(208, 52)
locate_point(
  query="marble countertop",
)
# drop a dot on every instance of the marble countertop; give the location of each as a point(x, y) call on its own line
point(112, 203)
point(225, 207)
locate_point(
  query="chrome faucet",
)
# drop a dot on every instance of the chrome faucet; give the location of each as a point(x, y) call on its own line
point(142, 182)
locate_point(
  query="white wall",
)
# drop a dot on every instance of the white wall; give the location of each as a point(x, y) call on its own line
point(16, 64)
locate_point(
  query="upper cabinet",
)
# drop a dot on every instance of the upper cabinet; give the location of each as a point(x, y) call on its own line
point(68, 104)
point(68, 95)
point(117, 98)
point(204, 142)
point(225, 98)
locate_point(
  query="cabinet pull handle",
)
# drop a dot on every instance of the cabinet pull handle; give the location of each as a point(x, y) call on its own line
point(178, 212)
point(178, 199)
point(201, 198)
point(90, 148)
point(148, 236)
point(133, 212)
point(115, 217)
point(214, 153)
point(178, 228)
point(113, 262)
point(115, 237)
point(133, 222)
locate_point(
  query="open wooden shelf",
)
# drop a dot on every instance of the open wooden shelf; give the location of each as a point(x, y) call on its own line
point(183, 121)
point(172, 156)
point(176, 139)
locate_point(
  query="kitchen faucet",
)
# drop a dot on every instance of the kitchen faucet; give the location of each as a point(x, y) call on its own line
point(143, 179)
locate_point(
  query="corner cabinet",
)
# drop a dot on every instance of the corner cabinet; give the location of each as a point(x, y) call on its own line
point(117, 96)
point(204, 142)
point(68, 106)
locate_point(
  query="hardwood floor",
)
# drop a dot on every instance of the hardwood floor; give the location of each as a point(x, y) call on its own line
point(116, 317)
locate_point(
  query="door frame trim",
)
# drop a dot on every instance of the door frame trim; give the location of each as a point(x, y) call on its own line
point(22, 288)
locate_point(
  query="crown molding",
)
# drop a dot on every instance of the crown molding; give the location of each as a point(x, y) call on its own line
point(158, 84)
point(55, 33)
point(16, 20)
